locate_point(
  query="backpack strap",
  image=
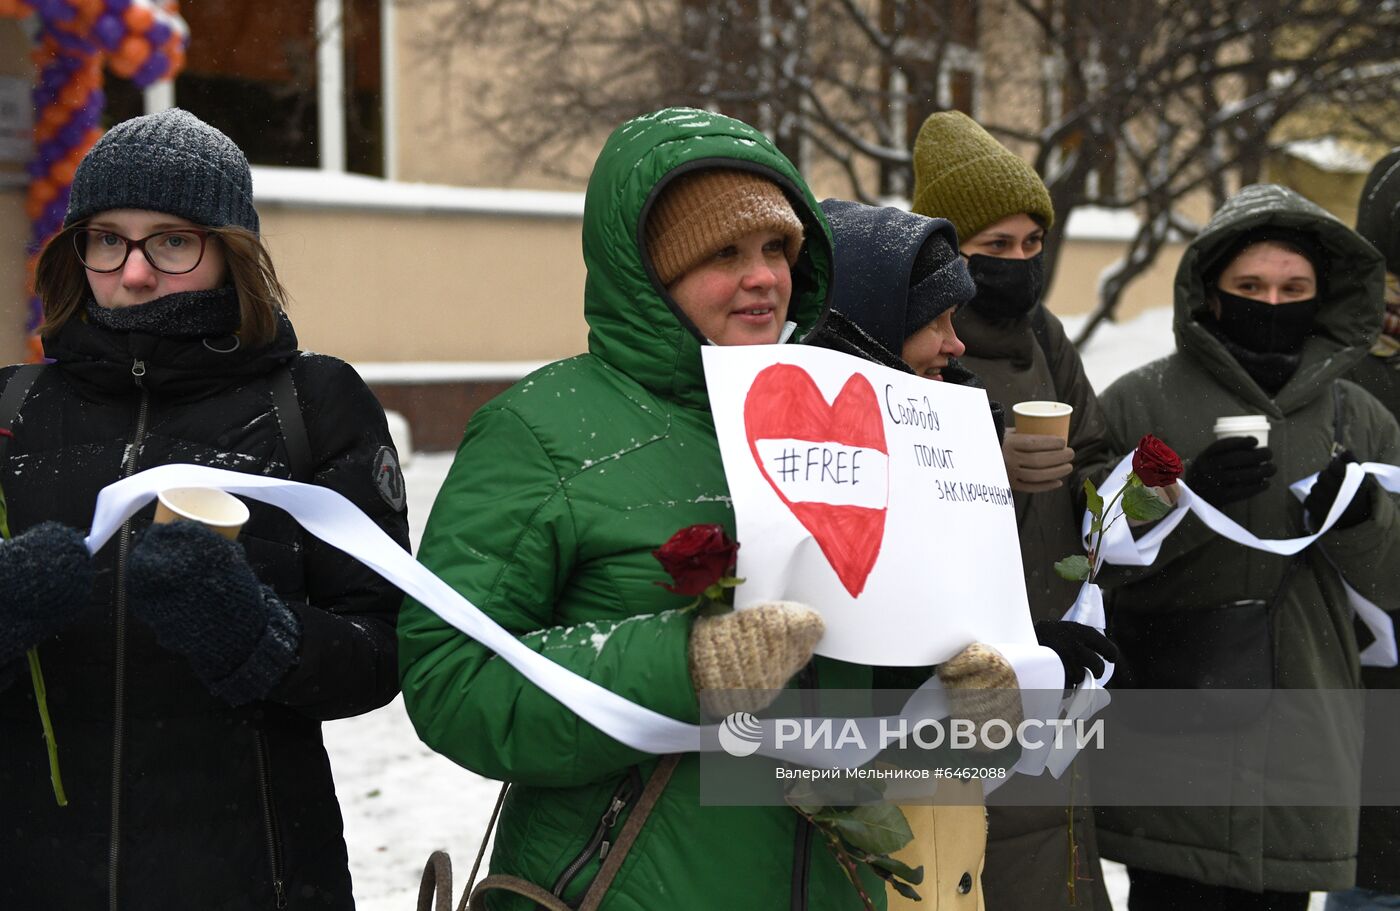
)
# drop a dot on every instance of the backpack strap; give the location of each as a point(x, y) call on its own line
point(13, 397)
point(293, 423)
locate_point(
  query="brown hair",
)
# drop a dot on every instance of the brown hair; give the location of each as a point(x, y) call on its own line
point(61, 283)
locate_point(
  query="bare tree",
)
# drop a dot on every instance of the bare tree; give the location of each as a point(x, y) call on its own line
point(1142, 105)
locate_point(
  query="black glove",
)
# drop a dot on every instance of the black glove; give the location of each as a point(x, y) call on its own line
point(200, 596)
point(45, 582)
point(1081, 648)
point(1230, 470)
point(1324, 491)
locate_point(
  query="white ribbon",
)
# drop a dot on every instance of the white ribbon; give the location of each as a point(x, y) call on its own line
point(336, 521)
point(1120, 547)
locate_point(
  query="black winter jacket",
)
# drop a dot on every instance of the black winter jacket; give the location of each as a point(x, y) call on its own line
point(178, 801)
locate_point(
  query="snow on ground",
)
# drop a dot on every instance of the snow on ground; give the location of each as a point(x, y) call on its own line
point(402, 801)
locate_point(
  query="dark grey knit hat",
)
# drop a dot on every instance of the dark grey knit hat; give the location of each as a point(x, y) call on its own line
point(168, 162)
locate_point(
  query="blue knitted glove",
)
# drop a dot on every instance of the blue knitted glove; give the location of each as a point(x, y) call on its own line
point(45, 582)
point(202, 599)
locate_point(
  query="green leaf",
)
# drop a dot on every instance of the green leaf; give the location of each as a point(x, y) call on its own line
point(1075, 568)
point(4, 525)
point(898, 868)
point(905, 889)
point(1093, 501)
point(1142, 504)
point(880, 829)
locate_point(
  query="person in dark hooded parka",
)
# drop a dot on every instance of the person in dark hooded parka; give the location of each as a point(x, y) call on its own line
point(1276, 301)
point(1378, 221)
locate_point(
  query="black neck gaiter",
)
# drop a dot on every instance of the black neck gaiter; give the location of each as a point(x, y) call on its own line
point(1006, 288)
point(184, 314)
point(1266, 328)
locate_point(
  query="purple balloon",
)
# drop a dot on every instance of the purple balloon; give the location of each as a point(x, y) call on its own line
point(158, 33)
point(109, 30)
point(50, 152)
point(72, 133)
point(36, 168)
point(55, 10)
point(155, 66)
point(118, 6)
point(43, 98)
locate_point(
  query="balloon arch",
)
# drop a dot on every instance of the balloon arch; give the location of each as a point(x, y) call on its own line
point(140, 40)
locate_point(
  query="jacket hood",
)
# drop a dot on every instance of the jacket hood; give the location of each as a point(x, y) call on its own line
point(875, 252)
point(634, 325)
point(1350, 303)
point(1378, 212)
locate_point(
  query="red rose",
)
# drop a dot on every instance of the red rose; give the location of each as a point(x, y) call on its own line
point(1155, 463)
point(696, 558)
point(6, 433)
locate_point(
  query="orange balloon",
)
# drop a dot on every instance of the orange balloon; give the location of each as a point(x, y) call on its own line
point(43, 132)
point(36, 349)
point(43, 190)
point(33, 208)
point(54, 116)
point(134, 49)
point(72, 96)
point(89, 8)
point(63, 172)
point(138, 18)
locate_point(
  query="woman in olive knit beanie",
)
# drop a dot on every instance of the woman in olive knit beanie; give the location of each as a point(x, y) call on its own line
point(1001, 210)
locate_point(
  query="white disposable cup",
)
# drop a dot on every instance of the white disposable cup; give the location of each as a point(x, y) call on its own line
point(219, 511)
point(1048, 418)
point(1244, 425)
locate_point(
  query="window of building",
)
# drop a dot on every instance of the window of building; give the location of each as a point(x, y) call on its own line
point(937, 69)
point(297, 83)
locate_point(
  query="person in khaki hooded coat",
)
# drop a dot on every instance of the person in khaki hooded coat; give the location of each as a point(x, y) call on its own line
point(1276, 301)
point(1038, 857)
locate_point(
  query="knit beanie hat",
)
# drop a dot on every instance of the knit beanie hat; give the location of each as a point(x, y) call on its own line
point(963, 174)
point(702, 212)
point(169, 162)
point(939, 281)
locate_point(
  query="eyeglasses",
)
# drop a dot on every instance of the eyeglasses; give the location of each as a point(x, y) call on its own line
point(171, 252)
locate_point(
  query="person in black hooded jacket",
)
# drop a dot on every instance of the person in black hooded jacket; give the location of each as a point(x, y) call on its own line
point(898, 282)
point(187, 674)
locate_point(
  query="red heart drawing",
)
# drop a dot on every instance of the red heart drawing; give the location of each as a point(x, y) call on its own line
point(785, 403)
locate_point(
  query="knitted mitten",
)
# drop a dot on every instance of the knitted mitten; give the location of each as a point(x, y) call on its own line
point(200, 596)
point(739, 660)
point(981, 686)
point(45, 582)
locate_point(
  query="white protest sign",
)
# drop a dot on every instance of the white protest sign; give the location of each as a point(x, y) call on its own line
point(877, 497)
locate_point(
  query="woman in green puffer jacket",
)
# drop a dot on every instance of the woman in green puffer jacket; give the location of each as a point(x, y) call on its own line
point(1276, 301)
point(695, 229)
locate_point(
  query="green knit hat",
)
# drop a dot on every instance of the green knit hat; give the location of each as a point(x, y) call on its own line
point(964, 175)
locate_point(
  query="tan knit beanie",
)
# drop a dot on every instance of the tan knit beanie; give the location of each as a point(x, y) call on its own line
point(963, 174)
point(703, 212)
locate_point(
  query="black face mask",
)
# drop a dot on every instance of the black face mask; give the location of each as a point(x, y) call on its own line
point(1006, 288)
point(1266, 328)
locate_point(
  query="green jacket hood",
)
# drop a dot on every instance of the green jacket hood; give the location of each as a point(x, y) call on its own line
point(1349, 316)
point(634, 325)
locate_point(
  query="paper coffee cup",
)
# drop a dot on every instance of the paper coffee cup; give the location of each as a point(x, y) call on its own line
point(222, 512)
point(1244, 425)
point(1048, 418)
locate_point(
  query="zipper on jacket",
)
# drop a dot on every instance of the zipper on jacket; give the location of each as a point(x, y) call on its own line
point(802, 846)
point(138, 371)
point(274, 842)
point(599, 843)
